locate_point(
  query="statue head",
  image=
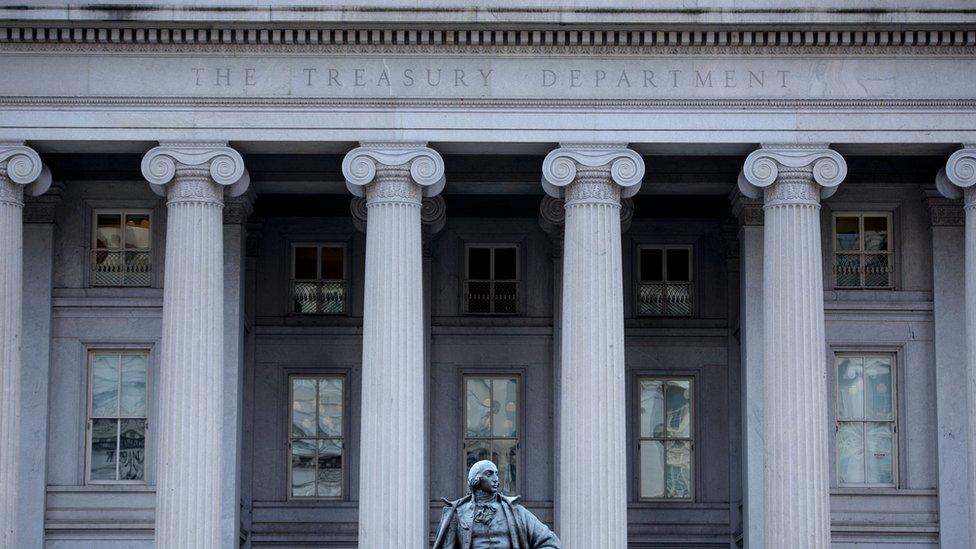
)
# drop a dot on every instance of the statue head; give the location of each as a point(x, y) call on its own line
point(483, 476)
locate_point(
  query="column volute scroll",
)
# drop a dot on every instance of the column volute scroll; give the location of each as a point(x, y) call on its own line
point(193, 164)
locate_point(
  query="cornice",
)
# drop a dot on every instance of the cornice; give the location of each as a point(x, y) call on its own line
point(385, 41)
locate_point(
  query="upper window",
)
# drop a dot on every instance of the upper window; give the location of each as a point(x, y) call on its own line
point(491, 425)
point(865, 419)
point(862, 250)
point(117, 416)
point(491, 284)
point(121, 248)
point(665, 286)
point(315, 440)
point(666, 441)
point(318, 280)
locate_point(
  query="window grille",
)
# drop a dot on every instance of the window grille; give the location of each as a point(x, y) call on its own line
point(491, 284)
point(117, 416)
point(318, 284)
point(121, 253)
point(863, 252)
point(666, 439)
point(665, 285)
point(866, 420)
point(316, 440)
point(491, 426)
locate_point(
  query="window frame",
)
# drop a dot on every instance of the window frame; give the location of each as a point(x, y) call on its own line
point(691, 282)
point(895, 413)
point(344, 480)
point(465, 279)
point(318, 270)
point(93, 244)
point(90, 354)
point(891, 251)
point(692, 438)
point(520, 459)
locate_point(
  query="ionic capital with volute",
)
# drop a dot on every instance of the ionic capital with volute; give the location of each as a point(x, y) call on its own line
point(592, 172)
point(958, 177)
point(792, 173)
point(21, 171)
point(195, 171)
point(393, 172)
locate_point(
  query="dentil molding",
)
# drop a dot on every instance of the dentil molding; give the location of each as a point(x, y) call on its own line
point(763, 166)
point(958, 176)
point(225, 165)
point(560, 166)
point(24, 167)
point(425, 164)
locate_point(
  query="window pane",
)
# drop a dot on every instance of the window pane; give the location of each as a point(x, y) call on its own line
point(332, 264)
point(878, 460)
point(875, 234)
point(105, 385)
point(678, 265)
point(479, 263)
point(137, 231)
point(302, 407)
point(475, 451)
point(505, 264)
point(479, 405)
point(329, 478)
point(651, 469)
point(108, 231)
point(651, 265)
point(504, 408)
point(652, 408)
point(846, 233)
point(877, 388)
point(850, 393)
point(504, 453)
point(306, 258)
point(678, 472)
point(133, 403)
point(103, 448)
point(303, 468)
point(678, 400)
point(330, 407)
point(850, 453)
point(132, 451)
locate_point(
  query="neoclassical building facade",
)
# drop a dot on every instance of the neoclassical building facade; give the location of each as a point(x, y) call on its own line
point(275, 275)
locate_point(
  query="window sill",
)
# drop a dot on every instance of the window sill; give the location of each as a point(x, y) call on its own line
point(881, 491)
point(89, 488)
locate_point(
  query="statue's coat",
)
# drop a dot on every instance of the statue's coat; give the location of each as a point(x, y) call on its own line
point(525, 531)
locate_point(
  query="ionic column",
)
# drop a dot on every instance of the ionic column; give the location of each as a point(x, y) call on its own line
point(793, 179)
point(393, 504)
point(592, 464)
point(191, 474)
point(958, 180)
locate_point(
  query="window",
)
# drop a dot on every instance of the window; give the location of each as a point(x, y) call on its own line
point(666, 438)
point(117, 416)
point(491, 284)
point(665, 281)
point(121, 248)
point(862, 250)
point(491, 425)
point(318, 284)
point(315, 440)
point(865, 419)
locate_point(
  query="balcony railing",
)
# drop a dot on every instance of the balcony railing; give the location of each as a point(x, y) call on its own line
point(491, 297)
point(121, 268)
point(664, 299)
point(326, 297)
point(863, 270)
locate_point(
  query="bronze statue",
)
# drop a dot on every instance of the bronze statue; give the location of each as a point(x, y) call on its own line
point(487, 519)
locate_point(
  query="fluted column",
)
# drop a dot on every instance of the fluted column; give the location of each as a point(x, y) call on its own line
point(21, 171)
point(958, 180)
point(393, 503)
point(591, 510)
point(793, 179)
point(191, 473)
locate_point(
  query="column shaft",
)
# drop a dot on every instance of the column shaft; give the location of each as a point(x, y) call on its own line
point(11, 295)
point(191, 472)
point(795, 414)
point(392, 482)
point(592, 481)
point(970, 254)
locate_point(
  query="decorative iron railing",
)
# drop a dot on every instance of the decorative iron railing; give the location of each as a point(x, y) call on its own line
point(665, 299)
point(318, 296)
point(863, 270)
point(491, 297)
point(121, 268)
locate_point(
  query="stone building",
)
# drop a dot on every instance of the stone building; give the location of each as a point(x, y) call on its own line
point(274, 274)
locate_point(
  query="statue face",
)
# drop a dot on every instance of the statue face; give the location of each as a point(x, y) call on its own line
point(488, 482)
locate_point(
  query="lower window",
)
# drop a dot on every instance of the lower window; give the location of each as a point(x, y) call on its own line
point(865, 420)
point(666, 441)
point(315, 440)
point(491, 426)
point(117, 420)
